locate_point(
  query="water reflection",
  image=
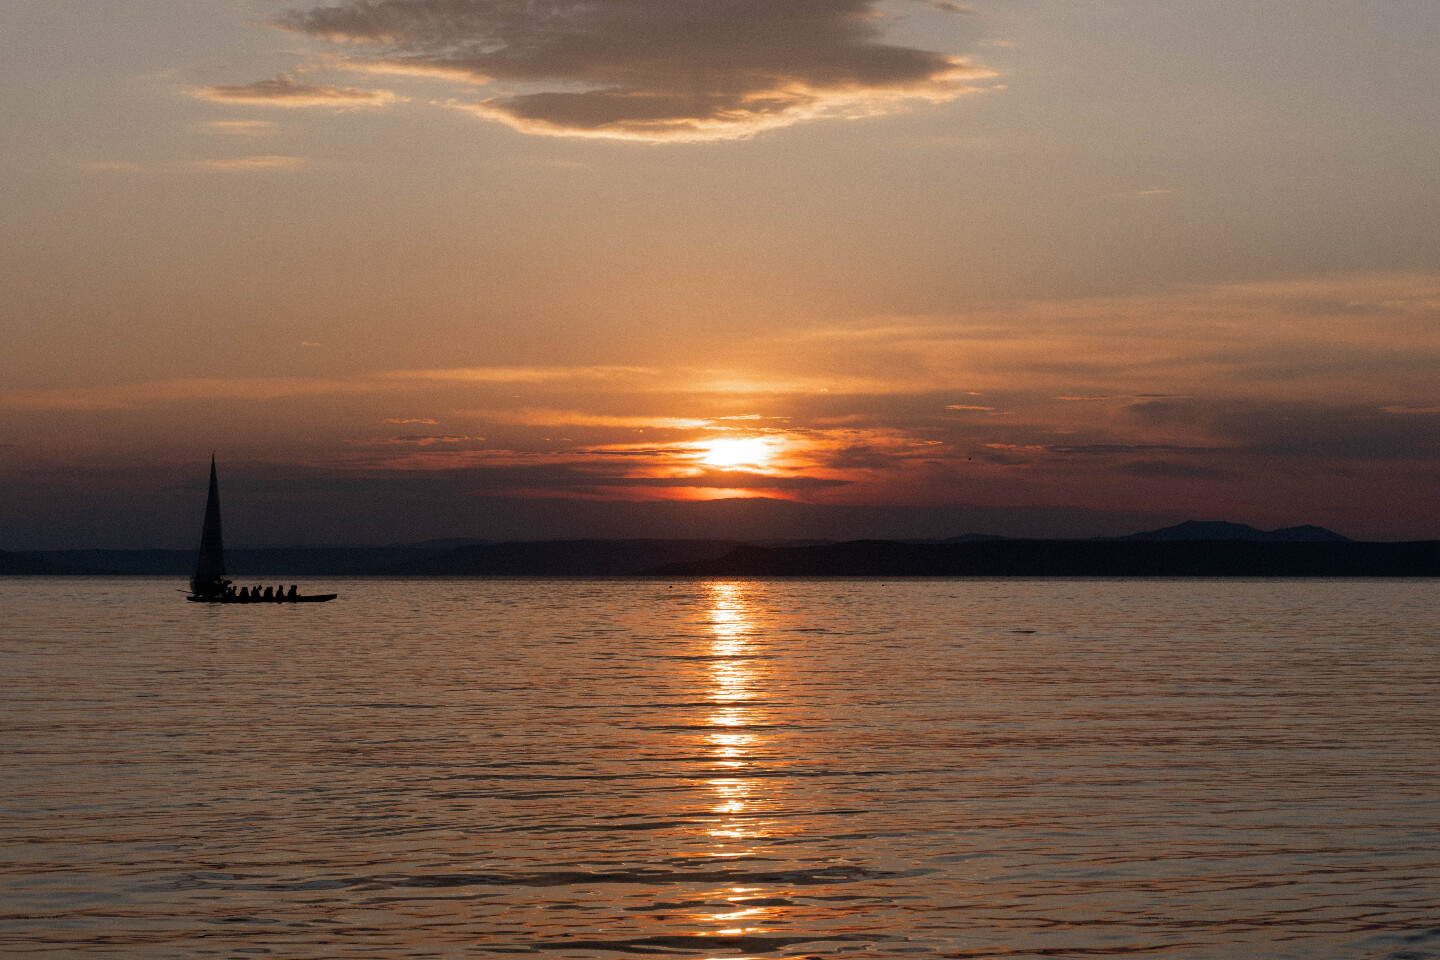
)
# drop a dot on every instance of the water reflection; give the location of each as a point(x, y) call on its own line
point(734, 679)
point(544, 769)
point(736, 684)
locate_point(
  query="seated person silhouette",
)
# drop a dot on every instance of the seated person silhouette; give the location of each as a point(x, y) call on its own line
point(269, 593)
point(244, 593)
point(291, 595)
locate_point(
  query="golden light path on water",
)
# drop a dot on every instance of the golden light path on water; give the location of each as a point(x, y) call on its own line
point(735, 683)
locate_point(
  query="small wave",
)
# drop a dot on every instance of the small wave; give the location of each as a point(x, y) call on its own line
point(708, 943)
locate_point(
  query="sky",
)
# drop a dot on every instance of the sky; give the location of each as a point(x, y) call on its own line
point(417, 269)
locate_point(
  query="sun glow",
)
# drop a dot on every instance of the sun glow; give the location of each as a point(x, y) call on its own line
point(738, 452)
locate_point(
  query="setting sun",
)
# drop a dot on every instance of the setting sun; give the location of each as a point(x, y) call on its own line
point(738, 452)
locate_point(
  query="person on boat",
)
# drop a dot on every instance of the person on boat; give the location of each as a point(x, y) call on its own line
point(280, 592)
point(244, 594)
point(269, 593)
point(291, 595)
point(229, 592)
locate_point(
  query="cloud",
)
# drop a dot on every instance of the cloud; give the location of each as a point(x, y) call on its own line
point(1166, 470)
point(146, 393)
point(861, 456)
point(427, 440)
point(1130, 396)
point(1304, 429)
point(521, 374)
point(1108, 449)
point(128, 396)
point(726, 480)
point(532, 476)
point(246, 164)
point(528, 417)
point(244, 128)
point(636, 69)
point(425, 420)
point(1409, 410)
point(282, 91)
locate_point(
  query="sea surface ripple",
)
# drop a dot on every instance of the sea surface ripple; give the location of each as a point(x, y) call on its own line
point(723, 769)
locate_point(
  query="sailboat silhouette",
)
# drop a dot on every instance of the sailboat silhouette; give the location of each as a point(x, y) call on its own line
point(209, 584)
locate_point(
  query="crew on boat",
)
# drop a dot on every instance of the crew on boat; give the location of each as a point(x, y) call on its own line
point(229, 594)
point(220, 590)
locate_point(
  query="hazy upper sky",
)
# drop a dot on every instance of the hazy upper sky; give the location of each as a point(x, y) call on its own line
point(451, 263)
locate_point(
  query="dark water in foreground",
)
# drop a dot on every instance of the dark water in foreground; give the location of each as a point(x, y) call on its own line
point(1197, 769)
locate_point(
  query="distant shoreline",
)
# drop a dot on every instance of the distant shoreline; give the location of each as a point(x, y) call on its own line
point(731, 558)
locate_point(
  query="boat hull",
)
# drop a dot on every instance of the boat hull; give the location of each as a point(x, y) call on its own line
point(313, 598)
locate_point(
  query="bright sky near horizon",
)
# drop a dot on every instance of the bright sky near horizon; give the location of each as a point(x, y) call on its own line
point(1160, 257)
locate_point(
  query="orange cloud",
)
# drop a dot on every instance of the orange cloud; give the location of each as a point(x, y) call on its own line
point(520, 374)
point(427, 440)
point(247, 128)
point(243, 164)
point(575, 418)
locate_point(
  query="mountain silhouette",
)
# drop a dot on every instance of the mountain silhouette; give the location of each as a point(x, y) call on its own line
point(1224, 530)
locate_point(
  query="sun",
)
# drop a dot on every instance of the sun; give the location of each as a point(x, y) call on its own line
point(737, 452)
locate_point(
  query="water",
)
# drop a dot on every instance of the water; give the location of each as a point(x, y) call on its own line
point(608, 768)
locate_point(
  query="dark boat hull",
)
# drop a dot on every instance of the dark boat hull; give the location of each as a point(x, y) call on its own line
point(313, 598)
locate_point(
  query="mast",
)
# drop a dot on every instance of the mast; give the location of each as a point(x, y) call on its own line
point(210, 563)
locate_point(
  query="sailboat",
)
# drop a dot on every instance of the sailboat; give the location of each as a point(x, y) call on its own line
point(209, 584)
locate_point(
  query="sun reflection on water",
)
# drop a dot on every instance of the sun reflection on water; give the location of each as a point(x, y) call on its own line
point(734, 743)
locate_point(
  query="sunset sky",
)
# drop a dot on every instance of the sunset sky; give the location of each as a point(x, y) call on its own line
point(538, 268)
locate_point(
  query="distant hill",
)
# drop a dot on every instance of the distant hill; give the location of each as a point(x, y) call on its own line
point(1075, 558)
point(1222, 530)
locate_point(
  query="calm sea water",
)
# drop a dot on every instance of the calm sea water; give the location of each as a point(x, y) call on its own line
point(723, 769)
